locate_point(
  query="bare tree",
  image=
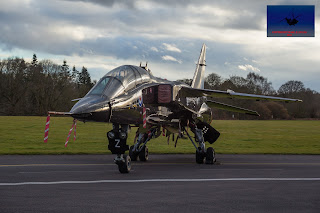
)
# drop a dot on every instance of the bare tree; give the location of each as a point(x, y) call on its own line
point(213, 80)
point(259, 84)
point(291, 87)
point(186, 81)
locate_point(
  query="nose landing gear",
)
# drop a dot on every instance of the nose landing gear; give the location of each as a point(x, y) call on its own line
point(118, 145)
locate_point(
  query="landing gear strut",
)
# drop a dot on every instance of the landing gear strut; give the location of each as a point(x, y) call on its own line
point(202, 155)
point(140, 149)
point(118, 145)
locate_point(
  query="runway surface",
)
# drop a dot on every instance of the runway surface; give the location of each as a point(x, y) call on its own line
point(168, 183)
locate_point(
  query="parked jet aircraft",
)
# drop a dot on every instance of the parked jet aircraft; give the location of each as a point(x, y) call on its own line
point(131, 95)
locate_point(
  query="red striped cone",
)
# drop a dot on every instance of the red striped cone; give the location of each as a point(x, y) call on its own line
point(144, 117)
point(46, 130)
point(66, 143)
point(75, 130)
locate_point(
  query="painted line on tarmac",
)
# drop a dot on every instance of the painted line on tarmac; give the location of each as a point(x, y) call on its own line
point(157, 180)
point(54, 164)
point(82, 171)
point(255, 169)
point(270, 163)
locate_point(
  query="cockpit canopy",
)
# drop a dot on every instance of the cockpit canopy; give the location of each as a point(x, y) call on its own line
point(120, 80)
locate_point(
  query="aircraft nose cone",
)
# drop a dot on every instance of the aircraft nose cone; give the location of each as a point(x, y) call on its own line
point(76, 110)
point(91, 109)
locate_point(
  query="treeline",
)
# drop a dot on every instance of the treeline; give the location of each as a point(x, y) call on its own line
point(257, 84)
point(36, 87)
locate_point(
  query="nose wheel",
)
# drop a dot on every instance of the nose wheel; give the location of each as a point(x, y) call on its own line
point(124, 163)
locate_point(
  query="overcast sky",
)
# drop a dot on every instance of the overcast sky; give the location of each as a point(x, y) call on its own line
point(104, 34)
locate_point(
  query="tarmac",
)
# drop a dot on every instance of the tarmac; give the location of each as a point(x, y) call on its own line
point(166, 183)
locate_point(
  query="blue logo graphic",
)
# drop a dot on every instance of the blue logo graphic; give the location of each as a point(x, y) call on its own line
point(290, 20)
point(140, 102)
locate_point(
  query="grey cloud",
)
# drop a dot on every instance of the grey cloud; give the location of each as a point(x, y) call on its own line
point(241, 23)
point(246, 22)
point(126, 33)
point(108, 3)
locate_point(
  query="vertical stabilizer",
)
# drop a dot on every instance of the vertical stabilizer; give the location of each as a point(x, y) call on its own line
point(198, 78)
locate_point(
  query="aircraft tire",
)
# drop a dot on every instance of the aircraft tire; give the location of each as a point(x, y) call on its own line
point(125, 167)
point(133, 155)
point(199, 156)
point(210, 156)
point(144, 154)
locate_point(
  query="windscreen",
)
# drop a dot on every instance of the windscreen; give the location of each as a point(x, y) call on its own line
point(98, 89)
point(119, 80)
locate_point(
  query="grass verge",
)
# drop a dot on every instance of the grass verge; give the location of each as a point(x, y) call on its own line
point(24, 135)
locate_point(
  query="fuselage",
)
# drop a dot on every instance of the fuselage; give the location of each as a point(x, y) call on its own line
point(120, 95)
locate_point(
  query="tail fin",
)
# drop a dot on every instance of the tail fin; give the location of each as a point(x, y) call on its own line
point(198, 78)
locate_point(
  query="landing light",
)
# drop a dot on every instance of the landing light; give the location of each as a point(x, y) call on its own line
point(123, 135)
point(111, 135)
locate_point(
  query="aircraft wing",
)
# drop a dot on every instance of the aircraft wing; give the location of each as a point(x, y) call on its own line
point(218, 105)
point(192, 92)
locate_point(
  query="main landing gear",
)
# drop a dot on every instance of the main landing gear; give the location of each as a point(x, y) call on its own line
point(118, 145)
point(202, 155)
point(140, 149)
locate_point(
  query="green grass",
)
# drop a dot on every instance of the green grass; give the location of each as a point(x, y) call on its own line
point(24, 135)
